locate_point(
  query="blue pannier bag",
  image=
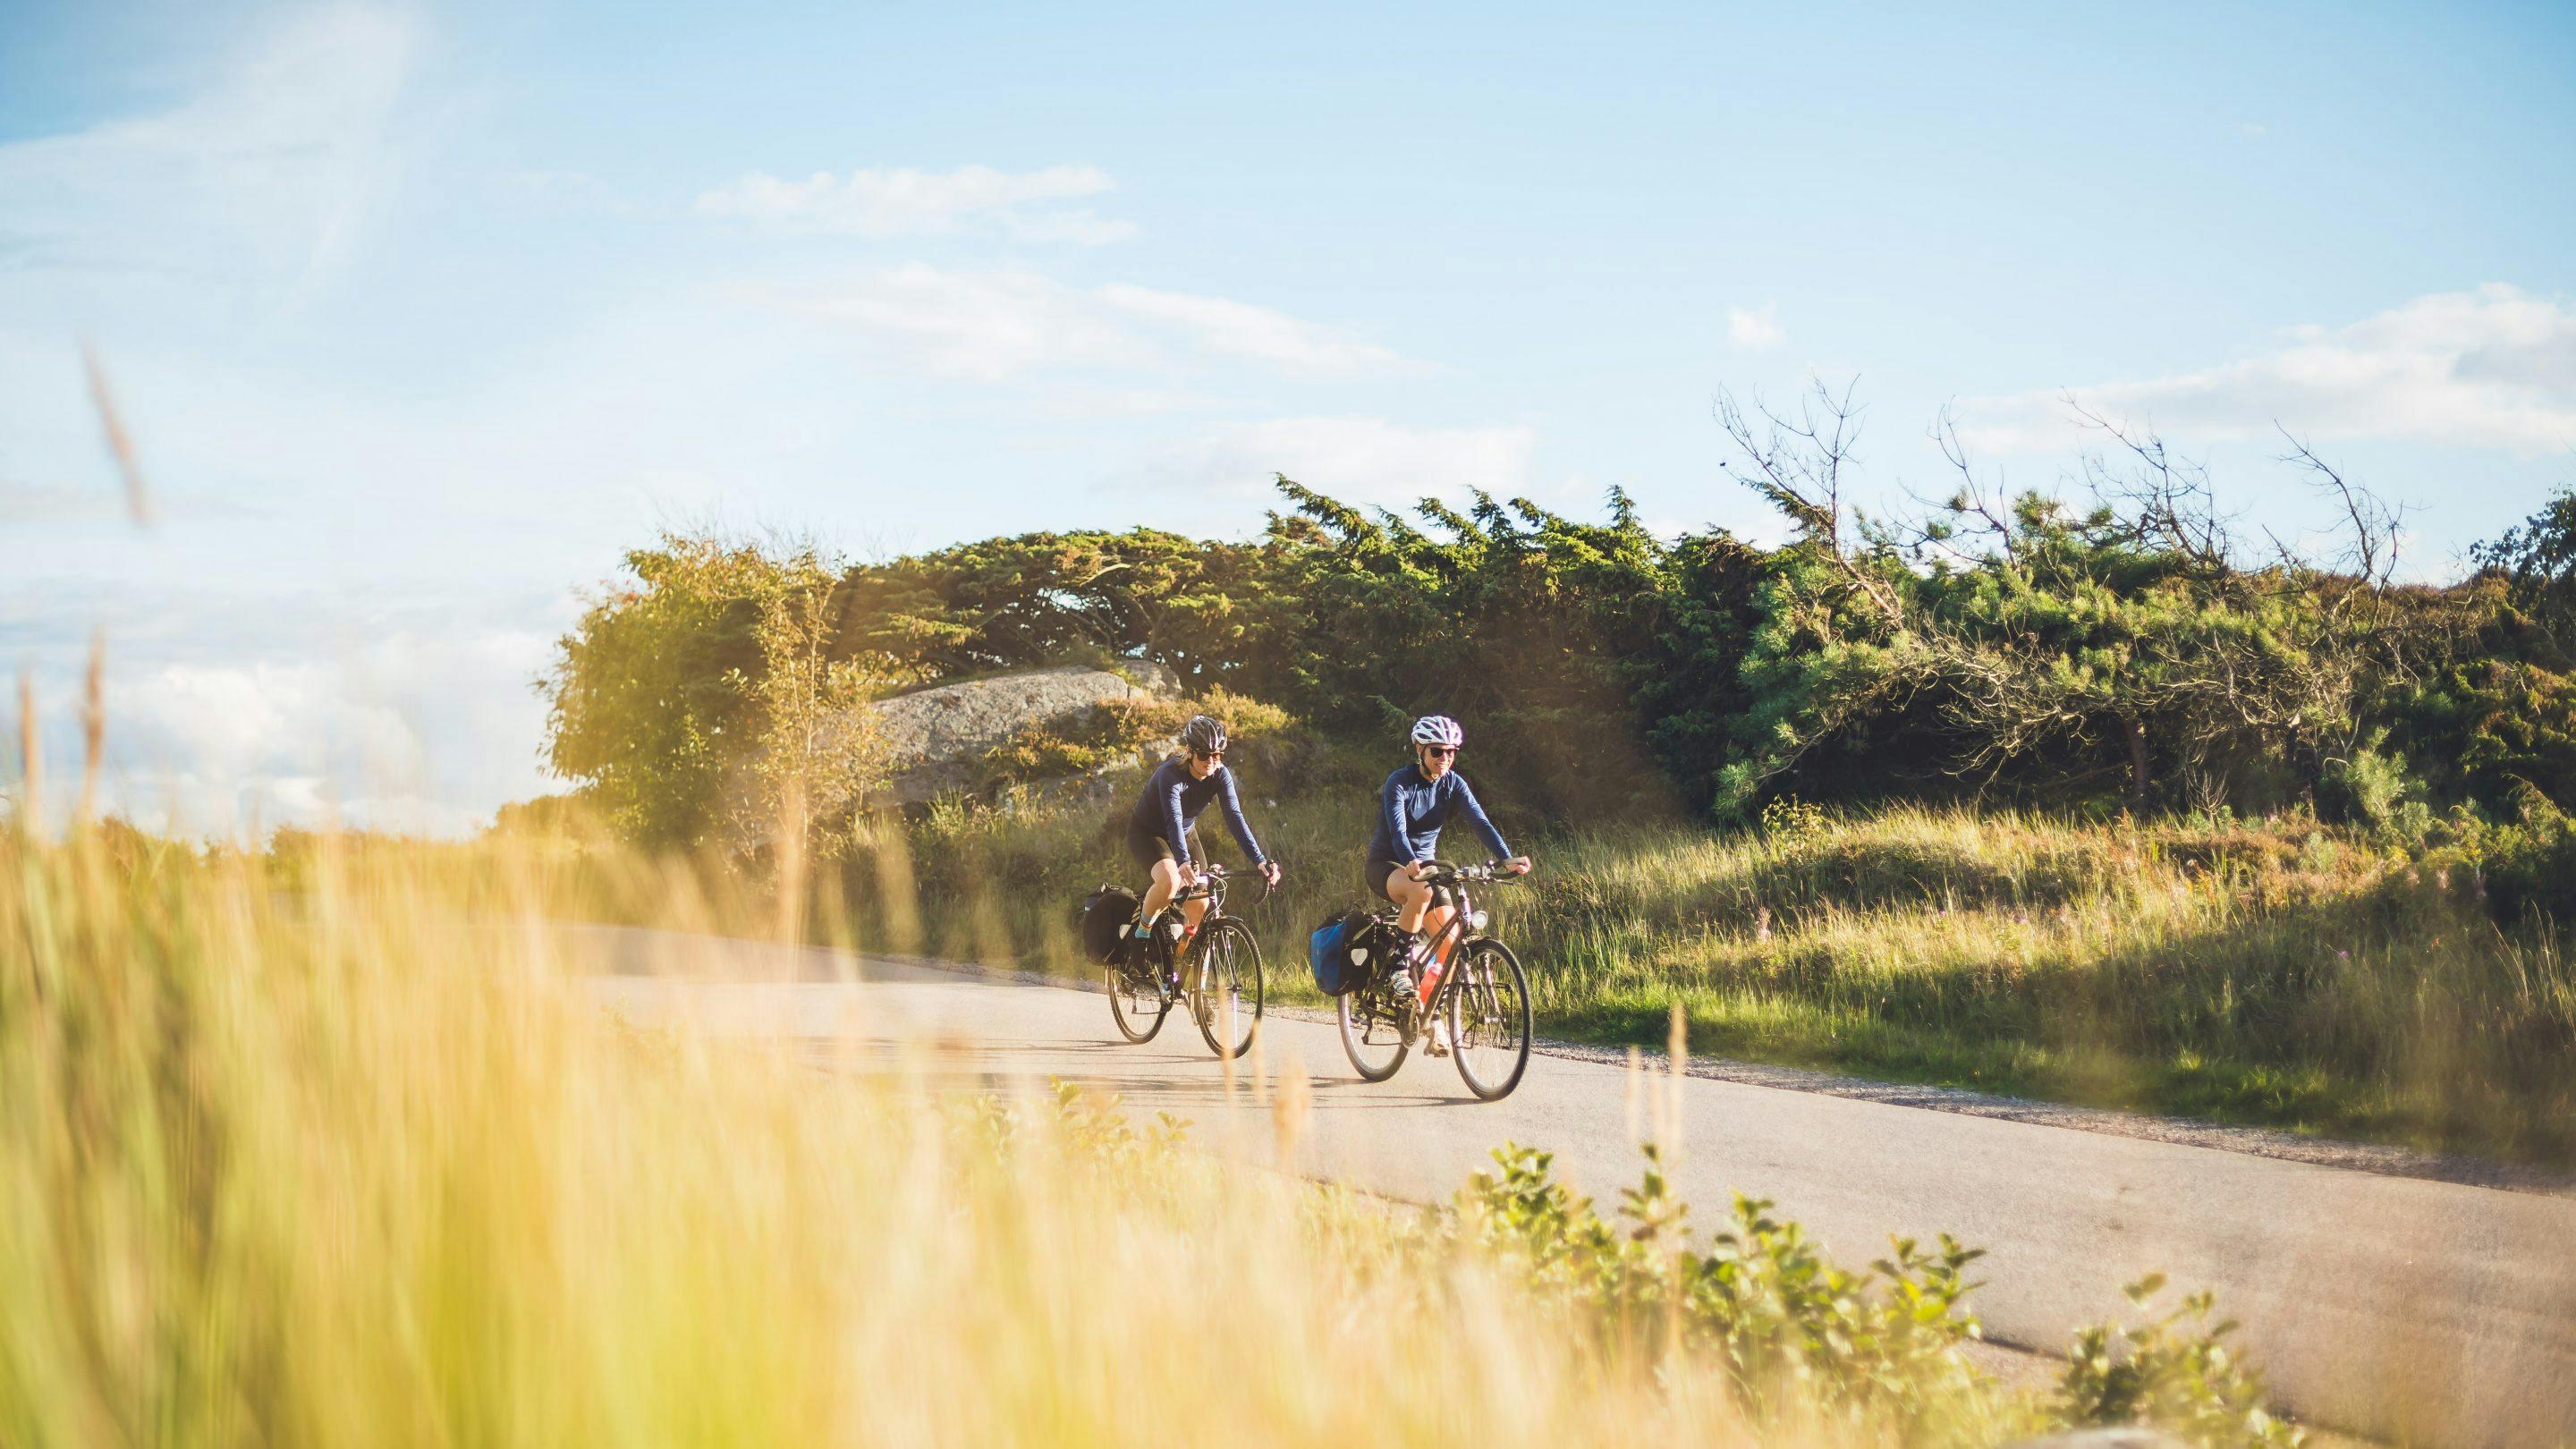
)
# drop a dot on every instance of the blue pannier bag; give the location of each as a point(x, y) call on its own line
point(1337, 954)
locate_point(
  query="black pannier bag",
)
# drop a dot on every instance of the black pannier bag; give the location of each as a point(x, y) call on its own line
point(1107, 915)
point(1338, 952)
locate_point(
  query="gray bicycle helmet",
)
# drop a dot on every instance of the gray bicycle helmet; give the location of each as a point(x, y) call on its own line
point(1204, 735)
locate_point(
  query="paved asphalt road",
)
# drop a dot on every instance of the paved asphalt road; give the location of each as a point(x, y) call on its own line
point(2391, 1306)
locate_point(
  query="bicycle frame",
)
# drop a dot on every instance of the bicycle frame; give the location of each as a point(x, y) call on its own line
point(1456, 933)
point(1211, 887)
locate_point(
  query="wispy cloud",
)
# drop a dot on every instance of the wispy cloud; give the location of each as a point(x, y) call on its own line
point(879, 202)
point(1253, 333)
point(992, 325)
point(255, 190)
point(2493, 367)
point(1755, 329)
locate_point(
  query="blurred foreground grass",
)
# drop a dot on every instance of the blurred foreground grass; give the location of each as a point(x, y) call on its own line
point(289, 1159)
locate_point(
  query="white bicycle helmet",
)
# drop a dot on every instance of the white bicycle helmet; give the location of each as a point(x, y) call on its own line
point(1438, 729)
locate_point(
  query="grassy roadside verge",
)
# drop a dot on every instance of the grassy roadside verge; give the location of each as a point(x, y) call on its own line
point(2285, 975)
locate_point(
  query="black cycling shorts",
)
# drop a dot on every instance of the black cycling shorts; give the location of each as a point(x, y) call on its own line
point(1374, 875)
point(1146, 847)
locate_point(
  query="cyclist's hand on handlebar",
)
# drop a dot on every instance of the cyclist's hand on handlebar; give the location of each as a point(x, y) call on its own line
point(1518, 865)
point(1270, 873)
point(1416, 869)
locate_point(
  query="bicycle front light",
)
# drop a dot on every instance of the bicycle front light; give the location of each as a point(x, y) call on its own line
point(1476, 920)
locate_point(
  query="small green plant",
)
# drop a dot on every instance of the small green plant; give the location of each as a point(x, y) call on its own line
point(1882, 1346)
point(2177, 1372)
point(1792, 822)
point(1762, 1300)
point(2372, 788)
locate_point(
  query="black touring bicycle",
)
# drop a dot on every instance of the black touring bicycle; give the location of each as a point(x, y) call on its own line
point(1219, 967)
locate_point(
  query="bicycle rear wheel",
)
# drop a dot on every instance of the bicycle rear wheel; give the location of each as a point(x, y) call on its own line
point(1372, 1032)
point(1134, 1004)
point(1489, 1020)
point(1230, 990)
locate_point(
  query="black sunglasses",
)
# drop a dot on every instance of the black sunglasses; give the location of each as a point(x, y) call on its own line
point(1207, 754)
point(1444, 751)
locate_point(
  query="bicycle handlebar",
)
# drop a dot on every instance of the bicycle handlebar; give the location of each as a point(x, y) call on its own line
point(1218, 874)
point(1445, 872)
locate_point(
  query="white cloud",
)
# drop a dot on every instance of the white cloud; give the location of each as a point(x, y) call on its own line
point(1356, 459)
point(226, 713)
point(2494, 367)
point(400, 733)
point(984, 326)
point(253, 193)
point(1755, 329)
point(876, 203)
point(1228, 328)
point(992, 325)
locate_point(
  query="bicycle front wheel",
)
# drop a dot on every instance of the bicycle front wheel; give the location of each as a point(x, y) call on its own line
point(1230, 993)
point(1489, 1020)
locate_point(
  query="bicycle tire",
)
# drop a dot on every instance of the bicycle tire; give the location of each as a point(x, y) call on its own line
point(1227, 970)
point(1489, 1019)
point(1135, 1006)
point(1369, 1008)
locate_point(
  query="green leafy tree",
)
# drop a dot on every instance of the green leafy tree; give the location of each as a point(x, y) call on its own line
point(706, 689)
point(644, 701)
point(811, 753)
point(2538, 559)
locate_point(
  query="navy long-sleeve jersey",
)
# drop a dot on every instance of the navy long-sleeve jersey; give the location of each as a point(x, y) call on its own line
point(1411, 809)
point(1174, 799)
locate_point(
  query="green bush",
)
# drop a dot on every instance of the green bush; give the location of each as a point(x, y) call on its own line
point(2368, 786)
point(2177, 1373)
point(1876, 1347)
point(2531, 870)
point(1761, 1299)
point(1135, 730)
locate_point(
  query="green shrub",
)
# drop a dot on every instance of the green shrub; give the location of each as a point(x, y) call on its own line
point(2531, 869)
point(2368, 787)
point(1882, 1346)
point(1762, 1298)
point(1136, 729)
point(2177, 1373)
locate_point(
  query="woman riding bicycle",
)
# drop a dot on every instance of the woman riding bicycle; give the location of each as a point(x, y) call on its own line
point(1411, 807)
point(1162, 831)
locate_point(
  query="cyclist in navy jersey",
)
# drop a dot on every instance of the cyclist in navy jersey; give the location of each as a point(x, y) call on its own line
point(1162, 831)
point(1411, 807)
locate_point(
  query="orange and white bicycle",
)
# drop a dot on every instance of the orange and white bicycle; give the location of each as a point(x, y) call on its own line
point(1479, 993)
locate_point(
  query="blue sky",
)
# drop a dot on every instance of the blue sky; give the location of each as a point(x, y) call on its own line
point(420, 315)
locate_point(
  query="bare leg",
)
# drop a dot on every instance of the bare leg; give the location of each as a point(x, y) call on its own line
point(1167, 884)
point(1412, 898)
point(1437, 919)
